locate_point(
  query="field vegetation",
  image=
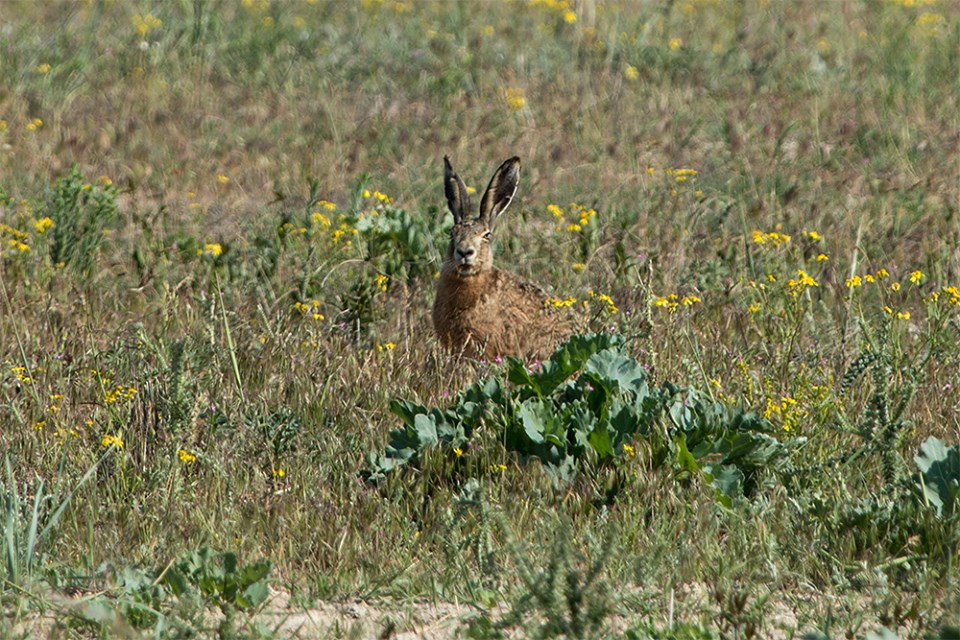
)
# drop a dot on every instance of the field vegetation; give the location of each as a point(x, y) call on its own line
point(221, 224)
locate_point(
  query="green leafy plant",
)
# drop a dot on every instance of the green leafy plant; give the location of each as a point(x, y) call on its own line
point(177, 595)
point(81, 213)
point(583, 408)
point(220, 578)
point(29, 525)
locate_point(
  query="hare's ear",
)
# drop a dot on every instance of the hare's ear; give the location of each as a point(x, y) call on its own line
point(500, 191)
point(457, 197)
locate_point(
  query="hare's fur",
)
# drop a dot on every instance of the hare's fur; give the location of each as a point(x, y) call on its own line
point(481, 310)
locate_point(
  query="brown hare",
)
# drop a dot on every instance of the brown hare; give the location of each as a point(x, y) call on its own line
point(481, 310)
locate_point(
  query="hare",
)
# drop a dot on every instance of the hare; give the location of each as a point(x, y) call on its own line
point(481, 310)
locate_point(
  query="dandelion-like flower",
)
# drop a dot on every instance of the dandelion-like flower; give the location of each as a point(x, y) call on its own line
point(43, 225)
point(111, 441)
point(211, 249)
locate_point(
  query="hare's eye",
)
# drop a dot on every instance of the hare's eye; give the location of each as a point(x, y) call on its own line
point(487, 235)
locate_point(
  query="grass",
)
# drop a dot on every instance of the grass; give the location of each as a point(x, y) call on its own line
point(212, 311)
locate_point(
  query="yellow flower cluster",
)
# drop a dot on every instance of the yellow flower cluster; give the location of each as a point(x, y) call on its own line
point(43, 225)
point(211, 250)
point(671, 302)
point(377, 195)
point(602, 297)
point(144, 23)
point(111, 441)
point(787, 410)
point(17, 246)
point(562, 7)
point(557, 302)
point(771, 238)
point(186, 457)
point(882, 274)
point(289, 230)
point(681, 175)
point(386, 346)
point(118, 393)
point(319, 218)
point(900, 315)
point(311, 308)
point(579, 216)
point(954, 295)
point(803, 281)
point(382, 282)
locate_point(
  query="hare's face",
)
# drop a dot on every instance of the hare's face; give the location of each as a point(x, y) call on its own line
point(470, 251)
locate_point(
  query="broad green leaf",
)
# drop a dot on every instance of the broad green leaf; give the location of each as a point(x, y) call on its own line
point(726, 479)
point(426, 429)
point(685, 460)
point(600, 440)
point(406, 410)
point(535, 415)
point(616, 372)
point(940, 469)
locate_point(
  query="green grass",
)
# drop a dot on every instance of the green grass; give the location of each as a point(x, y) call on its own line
point(222, 290)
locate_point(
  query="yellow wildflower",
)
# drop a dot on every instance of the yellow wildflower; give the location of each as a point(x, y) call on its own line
point(111, 441)
point(43, 225)
point(514, 97)
point(211, 249)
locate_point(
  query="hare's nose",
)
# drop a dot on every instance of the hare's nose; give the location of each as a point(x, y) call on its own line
point(467, 253)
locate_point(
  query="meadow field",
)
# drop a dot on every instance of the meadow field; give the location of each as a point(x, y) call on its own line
point(223, 410)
